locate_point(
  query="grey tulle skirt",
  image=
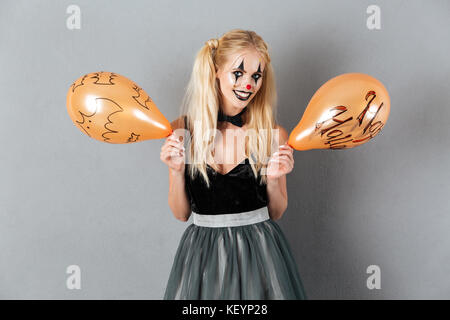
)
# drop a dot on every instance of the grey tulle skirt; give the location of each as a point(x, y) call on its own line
point(235, 263)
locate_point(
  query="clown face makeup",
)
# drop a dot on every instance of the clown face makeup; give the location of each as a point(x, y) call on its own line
point(240, 79)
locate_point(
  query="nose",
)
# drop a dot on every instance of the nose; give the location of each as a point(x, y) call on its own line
point(249, 87)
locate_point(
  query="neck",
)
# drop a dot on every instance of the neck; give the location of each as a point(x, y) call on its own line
point(228, 108)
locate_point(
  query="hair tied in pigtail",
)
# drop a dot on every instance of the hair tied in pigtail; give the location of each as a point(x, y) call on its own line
point(213, 44)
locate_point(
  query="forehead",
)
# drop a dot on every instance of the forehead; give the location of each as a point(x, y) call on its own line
point(251, 60)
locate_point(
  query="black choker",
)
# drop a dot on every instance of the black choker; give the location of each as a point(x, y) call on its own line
point(236, 119)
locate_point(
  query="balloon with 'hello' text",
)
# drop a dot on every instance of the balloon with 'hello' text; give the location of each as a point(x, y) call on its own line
point(345, 112)
point(111, 108)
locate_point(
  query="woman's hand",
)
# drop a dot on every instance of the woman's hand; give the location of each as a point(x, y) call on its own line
point(172, 154)
point(281, 162)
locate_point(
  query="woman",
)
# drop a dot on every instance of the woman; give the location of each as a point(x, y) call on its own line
point(230, 180)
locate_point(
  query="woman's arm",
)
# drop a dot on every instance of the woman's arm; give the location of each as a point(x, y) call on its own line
point(177, 199)
point(276, 185)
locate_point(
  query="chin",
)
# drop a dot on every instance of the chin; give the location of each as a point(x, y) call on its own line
point(242, 104)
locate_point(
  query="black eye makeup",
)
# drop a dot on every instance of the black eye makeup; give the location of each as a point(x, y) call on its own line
point(240, 70)
point(256, 77)
point(238, 73)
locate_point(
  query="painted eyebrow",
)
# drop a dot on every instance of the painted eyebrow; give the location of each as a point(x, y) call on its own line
point(238, 68)
point(241, 66)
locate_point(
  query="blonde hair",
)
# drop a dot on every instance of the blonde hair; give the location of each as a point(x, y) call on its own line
point(202, 98)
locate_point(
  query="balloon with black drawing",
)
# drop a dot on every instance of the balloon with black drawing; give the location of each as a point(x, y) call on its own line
point(345, 112)
point(111, 108)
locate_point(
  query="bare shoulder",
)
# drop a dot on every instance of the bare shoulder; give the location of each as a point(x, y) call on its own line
point(178, 123)
point(283, 134)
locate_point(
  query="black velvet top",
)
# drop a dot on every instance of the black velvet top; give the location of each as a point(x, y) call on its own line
point(234, 192)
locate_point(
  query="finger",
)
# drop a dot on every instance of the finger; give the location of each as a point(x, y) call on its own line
point(170, 152)
point(287, 163)
point(288, 155)
point(288, 152)
point(165, 156)
point(275, 154)
point(280, 164)
point(285, 153)
point(176, 151)
point(275, 161)
point(173, 139)
point(283, 159)
point(177, 158)
point(174, 144)
point(286, 146)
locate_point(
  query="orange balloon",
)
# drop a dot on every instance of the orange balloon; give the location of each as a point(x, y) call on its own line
point(111, 108)
point(346, 111)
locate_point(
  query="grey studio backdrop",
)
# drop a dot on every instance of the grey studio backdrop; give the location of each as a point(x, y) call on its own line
point(69, 200)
